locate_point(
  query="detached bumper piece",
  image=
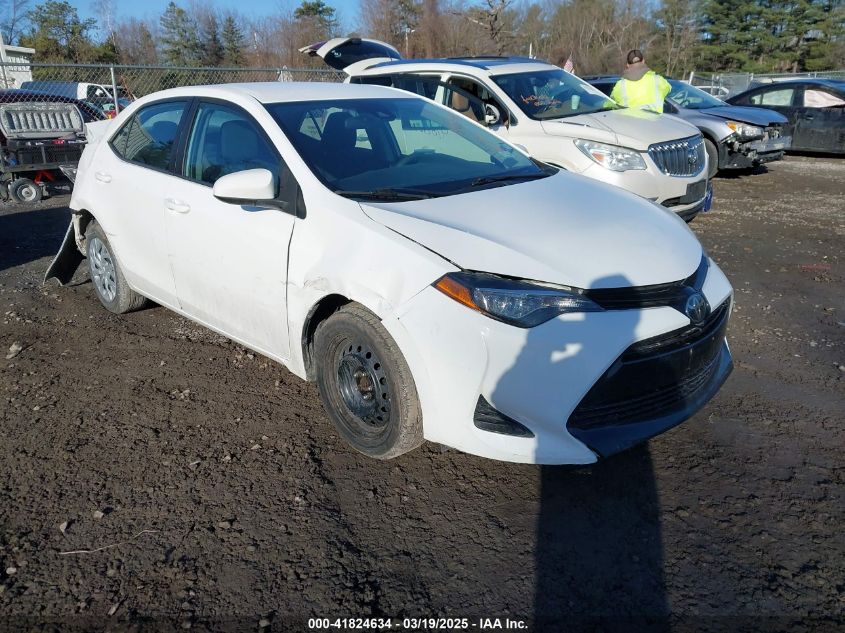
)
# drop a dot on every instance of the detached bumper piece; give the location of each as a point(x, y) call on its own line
point(487, 418)
point(654, 385)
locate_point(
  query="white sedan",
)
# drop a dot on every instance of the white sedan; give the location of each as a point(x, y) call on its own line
point(435, 281)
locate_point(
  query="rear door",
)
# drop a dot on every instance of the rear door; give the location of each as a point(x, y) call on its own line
point(820, 120)
point(133, 174)
point(342, 53)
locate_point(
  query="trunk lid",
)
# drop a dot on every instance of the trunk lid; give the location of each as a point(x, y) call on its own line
point(341, 53)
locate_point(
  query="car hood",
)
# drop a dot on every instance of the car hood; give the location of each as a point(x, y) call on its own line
point(566, 229)
point(628, 127)
point(744, 114)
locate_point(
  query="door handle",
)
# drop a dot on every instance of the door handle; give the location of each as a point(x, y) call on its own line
point(102, 176)
point(171, 204)
point(808, 117)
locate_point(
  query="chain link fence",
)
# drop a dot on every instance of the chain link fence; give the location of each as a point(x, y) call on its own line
point(96, 84)
point(728, 84)
point(44, 108)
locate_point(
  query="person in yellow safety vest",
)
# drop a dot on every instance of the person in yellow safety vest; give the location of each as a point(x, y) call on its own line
point(640, 87)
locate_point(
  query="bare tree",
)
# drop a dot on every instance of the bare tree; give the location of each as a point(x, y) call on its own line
point(105, 10)
point(136, 41)
point(678, 23)
point(14, 18)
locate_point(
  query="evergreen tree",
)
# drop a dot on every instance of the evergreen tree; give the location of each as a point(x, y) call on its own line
point(771, 35)
point(318, 12)
point(212, 46)
point(233, 42)
point(179, 39)
point(59, 35)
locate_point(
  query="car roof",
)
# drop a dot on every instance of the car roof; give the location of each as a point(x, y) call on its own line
point(809, 81)
point(281, 91)
point(479, 65)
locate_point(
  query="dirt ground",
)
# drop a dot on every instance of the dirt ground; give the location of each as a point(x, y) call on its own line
point(218, 496)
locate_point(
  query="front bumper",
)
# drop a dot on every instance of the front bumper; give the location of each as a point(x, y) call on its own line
point(653, 184)
point(736, 155)
point(539, 377)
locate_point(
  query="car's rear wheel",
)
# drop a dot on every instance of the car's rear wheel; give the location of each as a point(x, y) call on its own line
point(109, 283)
point(712, 157)
point(25, 190)
point(366, 385)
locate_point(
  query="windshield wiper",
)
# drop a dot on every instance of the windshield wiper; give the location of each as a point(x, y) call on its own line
point(486, 180)
point(386, 194)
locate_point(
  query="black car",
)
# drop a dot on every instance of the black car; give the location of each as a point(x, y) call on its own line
point(815, 109)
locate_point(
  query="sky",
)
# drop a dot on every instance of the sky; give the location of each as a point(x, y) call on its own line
point(347, 10)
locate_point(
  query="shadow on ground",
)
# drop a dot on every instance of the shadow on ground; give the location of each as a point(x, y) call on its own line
point(30, 234)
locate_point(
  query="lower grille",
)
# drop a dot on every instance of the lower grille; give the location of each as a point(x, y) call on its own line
point(655, 377)
point(684, 157)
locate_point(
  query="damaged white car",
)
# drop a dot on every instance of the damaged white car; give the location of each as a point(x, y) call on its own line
point(434, 280)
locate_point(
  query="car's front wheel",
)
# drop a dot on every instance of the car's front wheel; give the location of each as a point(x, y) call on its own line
point(109, 283)
point(366, 384)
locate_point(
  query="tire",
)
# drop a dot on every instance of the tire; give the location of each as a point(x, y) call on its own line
point(712, 158)
point(25, 190)
point(109, 283)
point(365, 384)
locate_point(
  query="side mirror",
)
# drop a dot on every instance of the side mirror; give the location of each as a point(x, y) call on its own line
point(492, 116)
point(251, 186)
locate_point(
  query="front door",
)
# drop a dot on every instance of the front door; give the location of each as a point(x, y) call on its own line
point(819, 121)
point(229, 260)
point(779, 98)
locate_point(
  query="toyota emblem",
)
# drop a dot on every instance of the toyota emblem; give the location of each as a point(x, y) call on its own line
point(696, 308)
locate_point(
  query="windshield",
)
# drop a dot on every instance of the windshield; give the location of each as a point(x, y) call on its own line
point(687, 96)
point(398, 148)
point(553, 94)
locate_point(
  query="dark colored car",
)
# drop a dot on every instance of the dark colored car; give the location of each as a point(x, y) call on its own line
point(815, 109)
point(735, 137)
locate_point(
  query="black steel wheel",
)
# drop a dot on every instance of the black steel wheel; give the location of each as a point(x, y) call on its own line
point(366, 385)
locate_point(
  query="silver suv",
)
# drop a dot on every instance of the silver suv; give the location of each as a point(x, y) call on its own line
point(555, 116)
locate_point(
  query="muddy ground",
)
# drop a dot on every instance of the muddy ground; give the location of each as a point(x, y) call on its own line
point(222, 498)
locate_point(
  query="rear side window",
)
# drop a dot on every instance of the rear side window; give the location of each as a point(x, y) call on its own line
point(425, 86)
point(814, 98)
point(149, 137)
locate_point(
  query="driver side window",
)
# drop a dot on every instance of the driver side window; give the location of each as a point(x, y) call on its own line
point(777, 97)
point(471, 99)
point(223, 141)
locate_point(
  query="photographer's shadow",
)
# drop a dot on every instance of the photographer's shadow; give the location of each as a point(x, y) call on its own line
point(598, 550)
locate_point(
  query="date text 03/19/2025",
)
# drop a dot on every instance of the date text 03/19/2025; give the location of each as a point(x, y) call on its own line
point(417, 624)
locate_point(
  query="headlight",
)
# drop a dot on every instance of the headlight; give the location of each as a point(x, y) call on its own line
point(611, 156)
point(520, 303)
point(745, 131)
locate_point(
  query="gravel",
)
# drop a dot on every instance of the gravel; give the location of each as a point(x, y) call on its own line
point(206, 489)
